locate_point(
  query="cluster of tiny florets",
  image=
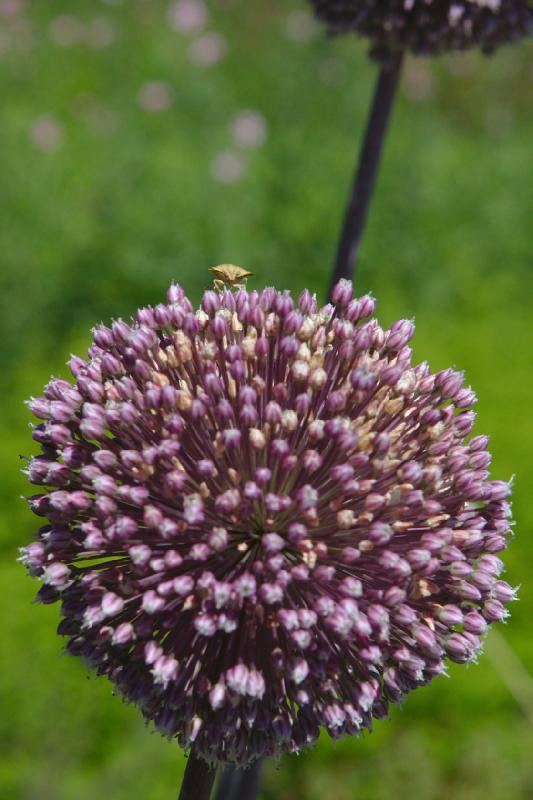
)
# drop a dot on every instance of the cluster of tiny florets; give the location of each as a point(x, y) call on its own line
point(429, 27)
point(262, 519)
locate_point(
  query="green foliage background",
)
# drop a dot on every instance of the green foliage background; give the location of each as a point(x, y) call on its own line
point(103, 224)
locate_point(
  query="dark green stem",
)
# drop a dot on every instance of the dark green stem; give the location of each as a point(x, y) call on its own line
point(198, 779)
point(366, 171)
point(239, 784)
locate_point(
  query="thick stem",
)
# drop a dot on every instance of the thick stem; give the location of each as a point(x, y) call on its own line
point(239, 784)
point(366, 171)
point(198, 779)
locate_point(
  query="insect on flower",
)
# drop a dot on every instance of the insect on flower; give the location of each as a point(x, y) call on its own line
point(229, 275)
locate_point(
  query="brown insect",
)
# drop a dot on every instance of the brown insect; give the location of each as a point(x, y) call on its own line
point(229, 275)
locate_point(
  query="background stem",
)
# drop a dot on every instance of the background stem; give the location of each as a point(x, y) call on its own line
point(365, 174)
point(239, 784)
point(198, 779)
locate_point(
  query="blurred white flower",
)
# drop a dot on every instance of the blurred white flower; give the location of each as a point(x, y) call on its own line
point(249, 129)
point(100, 33)
point(188, 16)
point(207, 50)
point(66, 30)
point(46, 133)
point(155, 96)
point(228, 167)
point(301, 26)
point(11, 8)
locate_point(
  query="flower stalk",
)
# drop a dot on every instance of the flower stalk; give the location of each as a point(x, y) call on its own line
point(366, 171)
point(239, 784)
point(198, 779)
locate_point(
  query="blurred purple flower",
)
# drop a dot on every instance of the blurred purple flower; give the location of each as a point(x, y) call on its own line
point(428, 27)
point(249, 129)
point(155, 96)
point(46, 133)
point(188, 16)
point(100, 33)
point(208, 50)
point(228, 167)
point(11, 8)
point(66, 30)
point(262, 519)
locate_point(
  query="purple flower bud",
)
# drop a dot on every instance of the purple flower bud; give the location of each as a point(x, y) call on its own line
point(238, 370)
point(237, 678)
point(175, 294)
point(217, 696)
point(255, 684)
point(458, 648)
point(124, 633)
point(400, 333)
point(112, 604)
point(391, 375)
point(272, 543)
point(103, 337)
point(145, 316)
point(248, 416)
point(219, 327)
point(40, 406)
point(503, 592)
point(245, 585)
point(341, 294)
point(228, 500)
point(152, 603)
point(307, 302)
point(56, 575)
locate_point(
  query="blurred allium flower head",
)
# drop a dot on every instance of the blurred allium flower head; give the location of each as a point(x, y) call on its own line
point(208, 50)
point(100, 33)
point(188, 16)
point(155, 96)
point(228, 167)
point(66, 30)
point(249, 129)
point(46, 133)
point(428, 27)
point(262, 519)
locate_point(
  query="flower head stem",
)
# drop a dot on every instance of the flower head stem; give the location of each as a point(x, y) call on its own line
point(239, 784)
point(198, 779)
point(366, 171)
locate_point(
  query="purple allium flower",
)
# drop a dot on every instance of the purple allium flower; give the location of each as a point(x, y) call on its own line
point(428, 27)
point(262, 519)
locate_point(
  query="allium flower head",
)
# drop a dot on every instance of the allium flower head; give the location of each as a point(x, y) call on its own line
point(428, 27)
point(262, 519)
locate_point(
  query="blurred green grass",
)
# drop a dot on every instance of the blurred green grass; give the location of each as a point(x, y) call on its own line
point(105, 221)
